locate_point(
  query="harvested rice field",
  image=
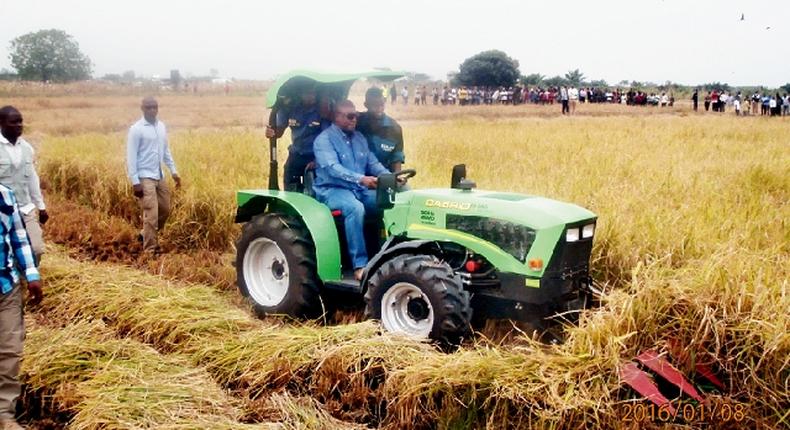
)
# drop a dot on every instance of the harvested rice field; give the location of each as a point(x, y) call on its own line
point(692, 248)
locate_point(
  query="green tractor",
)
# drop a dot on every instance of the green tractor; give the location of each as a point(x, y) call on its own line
point(439, 256)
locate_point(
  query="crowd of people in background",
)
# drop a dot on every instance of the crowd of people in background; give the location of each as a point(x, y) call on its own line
point(763, 104)
point(570, 96)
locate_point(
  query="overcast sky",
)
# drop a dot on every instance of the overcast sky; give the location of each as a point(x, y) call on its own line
point(685, 41)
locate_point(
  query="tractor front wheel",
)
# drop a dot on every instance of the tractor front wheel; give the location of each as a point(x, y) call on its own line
point(276, 268)
point(419, 296)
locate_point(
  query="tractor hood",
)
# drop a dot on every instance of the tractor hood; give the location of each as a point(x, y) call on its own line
point(532, 211)
point(509, 229)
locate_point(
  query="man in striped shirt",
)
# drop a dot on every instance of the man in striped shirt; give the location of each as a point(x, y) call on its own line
point(15, 252)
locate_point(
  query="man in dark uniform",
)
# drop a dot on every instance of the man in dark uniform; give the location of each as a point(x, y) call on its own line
point(384, 135)
point(695, 99)
point(306, 122)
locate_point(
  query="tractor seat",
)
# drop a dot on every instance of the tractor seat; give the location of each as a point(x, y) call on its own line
point(308, 179)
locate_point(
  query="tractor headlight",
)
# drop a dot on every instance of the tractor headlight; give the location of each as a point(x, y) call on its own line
point(588, 231)
point(572, 234)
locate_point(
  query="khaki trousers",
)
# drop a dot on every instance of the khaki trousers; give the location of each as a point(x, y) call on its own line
point(34, 233)
point(156, 208)
point(12, 334)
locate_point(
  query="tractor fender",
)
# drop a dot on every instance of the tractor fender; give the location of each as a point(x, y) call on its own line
point(315, 216)
point(389, 251)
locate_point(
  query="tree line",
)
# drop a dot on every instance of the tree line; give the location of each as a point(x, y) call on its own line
point(55, 56)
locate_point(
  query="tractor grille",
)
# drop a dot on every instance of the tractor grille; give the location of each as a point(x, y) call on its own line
point(569, 258)
point(515, 239)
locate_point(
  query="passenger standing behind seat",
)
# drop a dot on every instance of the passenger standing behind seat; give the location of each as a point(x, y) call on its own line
point(306, 124)
point(384, 134)
point(346, 177)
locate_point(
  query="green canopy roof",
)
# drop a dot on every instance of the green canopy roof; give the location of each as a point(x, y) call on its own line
point(291, 83)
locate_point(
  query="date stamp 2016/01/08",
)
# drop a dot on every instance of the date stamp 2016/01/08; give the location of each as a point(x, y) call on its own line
point(685, 412)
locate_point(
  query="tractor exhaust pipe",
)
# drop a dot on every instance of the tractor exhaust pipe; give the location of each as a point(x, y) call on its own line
point(273, 173)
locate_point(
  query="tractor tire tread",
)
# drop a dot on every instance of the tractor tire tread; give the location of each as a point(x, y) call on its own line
point(296, 243)
point(452, 307)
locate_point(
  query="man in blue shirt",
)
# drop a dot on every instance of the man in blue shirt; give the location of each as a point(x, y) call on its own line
point(384, 135)
point(15, 252)
point(346, 177)
point(306, 124)
point(146, 149)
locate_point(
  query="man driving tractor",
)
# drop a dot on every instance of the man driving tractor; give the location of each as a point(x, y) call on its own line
point(346, 177)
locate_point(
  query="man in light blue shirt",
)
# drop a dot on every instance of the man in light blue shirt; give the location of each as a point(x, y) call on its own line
point(346, 178)
point(146, 149)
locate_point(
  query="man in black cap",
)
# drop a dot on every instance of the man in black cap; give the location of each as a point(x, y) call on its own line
point(384, 134)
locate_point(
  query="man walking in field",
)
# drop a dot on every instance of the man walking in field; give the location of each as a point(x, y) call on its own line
point(18, 172)
point(564, 99)
point(146, 149)
point(15, 256)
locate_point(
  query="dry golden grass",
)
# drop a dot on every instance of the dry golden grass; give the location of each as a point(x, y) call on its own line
point(119, 383)
point(693, 236)
point(361, 376)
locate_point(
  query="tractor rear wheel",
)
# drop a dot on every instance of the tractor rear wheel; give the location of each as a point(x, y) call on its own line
point(276, 268)
point(420, 296)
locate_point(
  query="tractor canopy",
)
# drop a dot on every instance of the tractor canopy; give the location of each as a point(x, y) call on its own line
point(509, 229)
point(290, 85)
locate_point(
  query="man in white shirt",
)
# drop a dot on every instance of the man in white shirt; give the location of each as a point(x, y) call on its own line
point(573, 96)
point(18, 172)
point(146, 149)
point(724, 98)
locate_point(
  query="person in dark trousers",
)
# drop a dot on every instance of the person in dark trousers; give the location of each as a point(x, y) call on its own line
point(776, 106)
point(393, 94)
point(707, 101)
point(695, 100)
point(306, 123)
point(564, 100)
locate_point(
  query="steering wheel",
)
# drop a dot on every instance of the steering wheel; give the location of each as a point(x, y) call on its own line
point(405, 174)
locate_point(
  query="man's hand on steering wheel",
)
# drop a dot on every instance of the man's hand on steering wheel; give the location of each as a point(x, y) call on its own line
point(403, 175)
point(370, 182)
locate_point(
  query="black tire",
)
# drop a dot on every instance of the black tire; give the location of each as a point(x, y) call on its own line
point(301, 288)
point(449, 321)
